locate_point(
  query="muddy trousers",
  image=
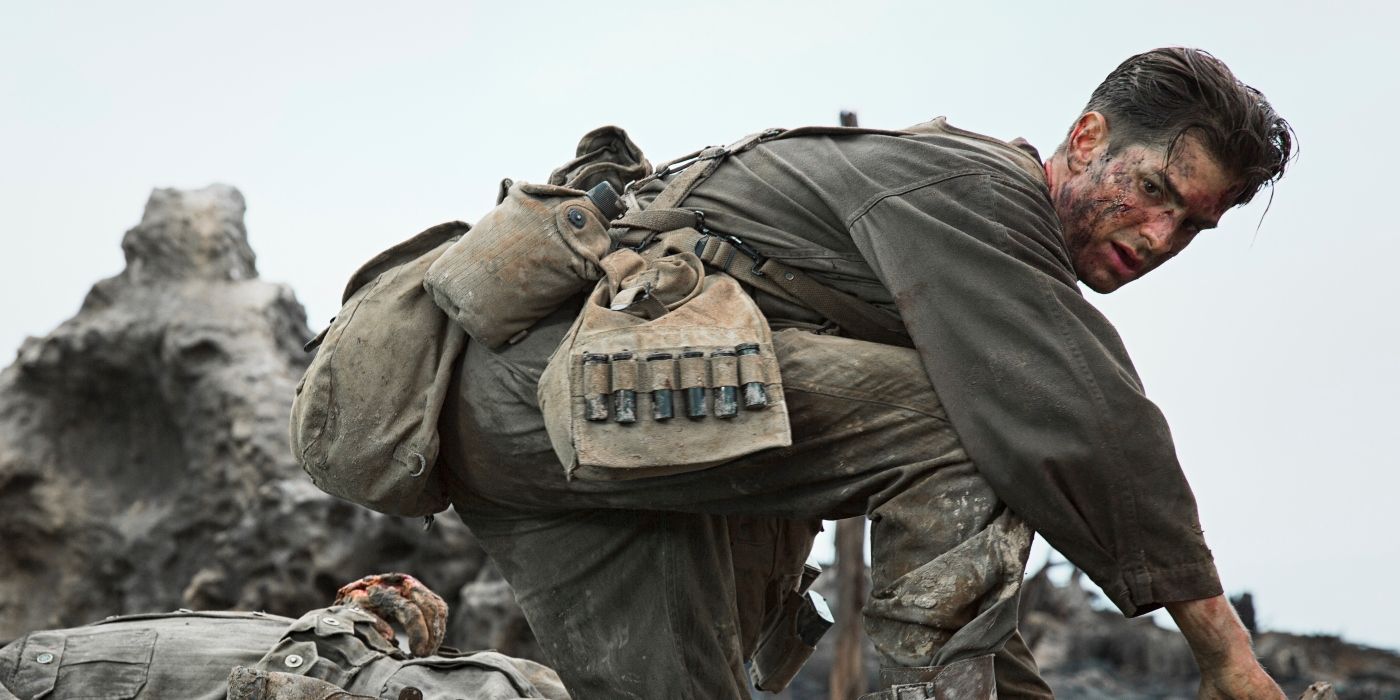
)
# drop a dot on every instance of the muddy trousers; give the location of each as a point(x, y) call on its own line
point(631, 586)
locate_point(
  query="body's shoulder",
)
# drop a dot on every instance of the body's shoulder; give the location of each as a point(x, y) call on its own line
point(1016, 158)
point(886, 162)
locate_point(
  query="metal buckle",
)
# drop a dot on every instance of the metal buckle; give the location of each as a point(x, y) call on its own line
point(758, 258)
point(675, 167)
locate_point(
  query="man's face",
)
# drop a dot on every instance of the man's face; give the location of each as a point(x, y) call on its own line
point(1127, 211)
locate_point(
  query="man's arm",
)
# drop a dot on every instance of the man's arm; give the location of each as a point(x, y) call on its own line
point(1222, 649)
point(1036, 381)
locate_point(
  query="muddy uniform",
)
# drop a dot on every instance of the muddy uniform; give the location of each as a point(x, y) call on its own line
point(1037, 408)
point(188, 655)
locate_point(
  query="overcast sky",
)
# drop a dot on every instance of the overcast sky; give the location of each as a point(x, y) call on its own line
point(349, 126)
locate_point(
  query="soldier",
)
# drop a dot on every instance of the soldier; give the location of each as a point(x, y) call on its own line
point(343, 652)
point(1015, 410)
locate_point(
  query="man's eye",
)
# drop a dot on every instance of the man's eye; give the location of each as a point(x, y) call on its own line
point(1150, 187)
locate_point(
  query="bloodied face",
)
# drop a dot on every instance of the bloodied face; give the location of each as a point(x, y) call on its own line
point(1128, 209)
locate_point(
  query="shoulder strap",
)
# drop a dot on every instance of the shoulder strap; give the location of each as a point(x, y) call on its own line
point(859, 318)
point(685, 229)
point(710, 158)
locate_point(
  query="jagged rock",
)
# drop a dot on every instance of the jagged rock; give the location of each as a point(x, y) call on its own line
point(1356, 671)
point(1320, 691)
point(1071, 637)
point(143, 451)
point(1089, 653)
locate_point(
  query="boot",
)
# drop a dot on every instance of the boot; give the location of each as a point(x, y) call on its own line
point(969, 679)
point(251, 684)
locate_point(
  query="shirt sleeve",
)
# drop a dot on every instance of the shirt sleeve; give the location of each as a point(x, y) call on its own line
point(1036, 381)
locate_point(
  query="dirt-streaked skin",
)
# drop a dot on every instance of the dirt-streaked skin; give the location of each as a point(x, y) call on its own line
point(1126, 211)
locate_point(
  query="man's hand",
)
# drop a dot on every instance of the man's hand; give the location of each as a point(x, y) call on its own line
point(400, 597)
point(1221, 646)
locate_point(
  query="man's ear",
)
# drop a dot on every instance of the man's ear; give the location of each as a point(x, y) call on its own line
point(1087, 140)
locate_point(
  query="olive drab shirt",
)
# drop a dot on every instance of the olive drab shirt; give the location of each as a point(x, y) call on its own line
point(957, 233)
point(188, 655)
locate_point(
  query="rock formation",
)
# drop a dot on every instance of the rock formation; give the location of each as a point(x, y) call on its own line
point(1088, 652)
point(143, 451)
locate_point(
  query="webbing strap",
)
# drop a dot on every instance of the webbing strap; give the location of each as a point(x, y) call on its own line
point(713, 155)
point(859, 318)
point(657, 220)
point(685, 230)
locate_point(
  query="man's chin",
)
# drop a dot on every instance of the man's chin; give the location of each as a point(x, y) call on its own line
point(1102, 283)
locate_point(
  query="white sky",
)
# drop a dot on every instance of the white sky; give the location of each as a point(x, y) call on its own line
point(349, 126)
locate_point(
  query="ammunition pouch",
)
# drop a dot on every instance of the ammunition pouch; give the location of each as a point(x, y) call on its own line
point(667, 369)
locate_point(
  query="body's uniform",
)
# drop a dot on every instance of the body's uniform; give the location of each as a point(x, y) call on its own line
point(1036, 407)
point(188, 655)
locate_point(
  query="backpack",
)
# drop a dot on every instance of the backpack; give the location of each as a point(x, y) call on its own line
point(364, 421)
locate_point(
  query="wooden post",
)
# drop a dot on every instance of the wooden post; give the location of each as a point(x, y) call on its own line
point(847, 680)
point(847, 664)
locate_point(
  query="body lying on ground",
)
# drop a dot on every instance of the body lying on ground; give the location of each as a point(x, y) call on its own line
point(342, 652)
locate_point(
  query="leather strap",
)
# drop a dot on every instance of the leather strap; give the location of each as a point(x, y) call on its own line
point(684, 229)
point(859, 318)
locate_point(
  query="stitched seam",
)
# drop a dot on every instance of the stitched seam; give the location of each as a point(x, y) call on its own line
point(14, 670)
point(869, 204)
point(1114, 439)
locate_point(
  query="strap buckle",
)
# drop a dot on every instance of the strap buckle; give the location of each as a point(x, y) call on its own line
point(677, 165)
point(646, 241)
point(738, 243)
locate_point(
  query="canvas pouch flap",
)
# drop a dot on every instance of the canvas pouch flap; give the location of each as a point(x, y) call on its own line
point(662, 373)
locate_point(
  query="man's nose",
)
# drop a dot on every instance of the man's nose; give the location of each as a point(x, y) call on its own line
point(1160, 233)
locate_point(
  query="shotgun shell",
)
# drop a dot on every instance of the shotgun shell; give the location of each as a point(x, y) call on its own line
point(694, 395)
point(755, 393)
point(662, 399)
point(624, 399)
point(726, 395)
point(595, 399)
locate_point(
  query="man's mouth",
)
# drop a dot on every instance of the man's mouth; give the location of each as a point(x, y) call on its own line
point(1127, 258)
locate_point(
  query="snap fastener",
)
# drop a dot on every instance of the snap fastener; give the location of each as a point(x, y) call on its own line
point(410, 694)
point(44, 658)
point(788, 276)
point(293, 661)
point(331, 621)
point(576, 218)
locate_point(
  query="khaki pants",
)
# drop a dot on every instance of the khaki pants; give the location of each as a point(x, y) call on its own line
point(631, 585)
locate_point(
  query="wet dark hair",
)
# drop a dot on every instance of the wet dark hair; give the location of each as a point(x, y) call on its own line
point(1157, 97)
